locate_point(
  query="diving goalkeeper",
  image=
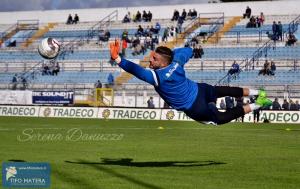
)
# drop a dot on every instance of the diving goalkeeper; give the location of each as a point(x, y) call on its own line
point(196, 100)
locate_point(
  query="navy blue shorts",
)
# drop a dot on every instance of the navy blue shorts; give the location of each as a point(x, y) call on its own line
point(204, 106)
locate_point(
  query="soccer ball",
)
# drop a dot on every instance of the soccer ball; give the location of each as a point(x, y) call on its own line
point(49, 48)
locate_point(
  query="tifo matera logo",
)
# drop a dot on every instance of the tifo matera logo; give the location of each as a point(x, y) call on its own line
point(11, 172)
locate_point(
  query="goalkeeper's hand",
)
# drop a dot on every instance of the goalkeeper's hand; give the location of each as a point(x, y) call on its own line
point(114, 50)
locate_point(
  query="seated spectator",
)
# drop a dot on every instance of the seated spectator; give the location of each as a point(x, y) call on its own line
point(76, 19)
point(273, 68)
point(194, 14)
point(126, 19)
point(152, 30)
point(138, 17)
point(266, 69)
point(247, 12)
point(98, 84)
point(276, 105)
point(251, 23)
point(145, 16)
point(149, 16)
point(291, 39)
point(70, 19)
point(150, 102)
point(235, 68)
point(175, 15)
point(293, 106)
point(198, 52)
point(285, 105)
point(104, 35)
point(140, 31)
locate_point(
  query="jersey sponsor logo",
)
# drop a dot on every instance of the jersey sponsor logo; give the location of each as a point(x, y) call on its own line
point(172, 70)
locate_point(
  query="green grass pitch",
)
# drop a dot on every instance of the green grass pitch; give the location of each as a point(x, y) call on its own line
point(129, 154)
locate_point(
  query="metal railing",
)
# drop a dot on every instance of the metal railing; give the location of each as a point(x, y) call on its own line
point(249, 63)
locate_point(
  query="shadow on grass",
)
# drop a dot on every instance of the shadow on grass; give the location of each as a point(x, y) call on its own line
point(130, 163)
point(123, 176)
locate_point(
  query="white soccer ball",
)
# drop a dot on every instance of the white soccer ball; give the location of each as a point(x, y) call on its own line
point(49, 48)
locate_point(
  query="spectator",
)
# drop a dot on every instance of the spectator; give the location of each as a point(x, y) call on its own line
point(110, 80)
point(279, 31)
point(276, 105)
point(298, 105)
point(24, 82)
point(150, 102)
point(273, 68)
point(98, 84)
point(258, 22)
point(56, 69)
point(183, 14)
point(140, 31)
point(126, 18)
point(165, 34)
point(175, 15)
point(138, 17)
point(222, 105)
point(251, 23)
point(76, 19)
point(293, 106)
point(275, 30)
point(291, 39)
point(194, 14)
point(149, 15)
point(256, 115)
point(70, 19)
point(157, 27)
point(179, 24)
point(266, 69)
point(262, 18)
point(124, 47)
point(125, 35)
point(285, 105)
point(198, 52)
point(145, 16)
point(14, 82)
point(189, 15)
point(247, 12)
point(235, 68)
point(104, 35)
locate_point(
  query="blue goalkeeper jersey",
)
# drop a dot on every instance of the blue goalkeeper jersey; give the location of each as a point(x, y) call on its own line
point(170, 82)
